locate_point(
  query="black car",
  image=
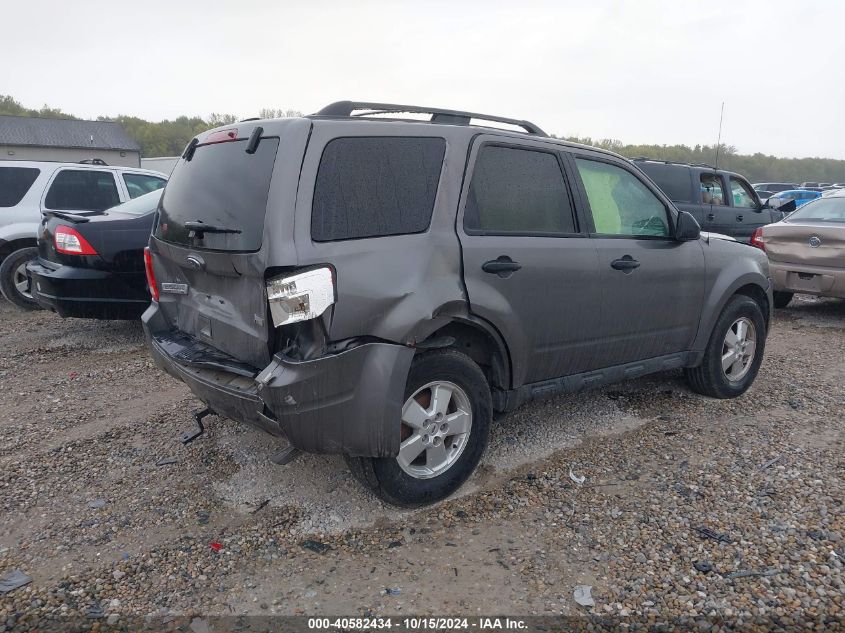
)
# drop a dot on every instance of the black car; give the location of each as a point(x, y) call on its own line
point(721, 201)
point(92, 266)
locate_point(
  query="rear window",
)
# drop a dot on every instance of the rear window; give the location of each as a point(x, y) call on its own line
point(14, 183)
point(673, 180)
point(375, 186)
point(142, 205)
point(82, 190)
point(223, 188)
point(821, 210)
point(140, 184)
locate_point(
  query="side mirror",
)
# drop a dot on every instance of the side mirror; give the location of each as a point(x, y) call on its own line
point(788, 207)
point(774, 203)
point(686, 228)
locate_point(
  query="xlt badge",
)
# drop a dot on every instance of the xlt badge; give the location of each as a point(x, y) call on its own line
point(177, 289)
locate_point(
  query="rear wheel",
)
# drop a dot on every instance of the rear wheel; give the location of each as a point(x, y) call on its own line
point(14, 282)
point(443, 432)
point(734, 352)
point(782, 299)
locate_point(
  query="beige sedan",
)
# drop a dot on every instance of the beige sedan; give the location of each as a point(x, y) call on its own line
point(807, 250)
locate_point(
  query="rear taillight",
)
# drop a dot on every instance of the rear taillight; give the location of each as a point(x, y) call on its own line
point(70, 242)
point(222, 136)
point(151, 278)
point(757, 238)
point(300, 297)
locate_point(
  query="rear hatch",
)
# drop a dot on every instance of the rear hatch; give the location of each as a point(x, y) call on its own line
point(210, 247)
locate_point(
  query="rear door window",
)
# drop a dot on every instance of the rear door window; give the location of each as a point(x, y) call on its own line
point(139, 184)
point(376, 186)
point(518, 191)
point(221, 187)
point(82, 190)
point(14, 183)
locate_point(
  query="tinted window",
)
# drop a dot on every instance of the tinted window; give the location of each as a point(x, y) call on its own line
point(821, 210)
point(141, 205)
point(517, 191)
point(620, 203)
point(14, 183)
point(742, 196)
point(82, 190)
point(139, 184)
point(375, 186)
point(711, 190)
point(674, 180)
point(221, 186)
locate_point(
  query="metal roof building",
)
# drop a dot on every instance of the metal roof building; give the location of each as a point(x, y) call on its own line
point(71, 140)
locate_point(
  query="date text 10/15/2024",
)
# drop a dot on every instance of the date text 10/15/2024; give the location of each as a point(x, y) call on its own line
point(416, 624)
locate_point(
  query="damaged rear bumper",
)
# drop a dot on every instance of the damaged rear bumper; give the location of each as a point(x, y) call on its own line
point(346, 403)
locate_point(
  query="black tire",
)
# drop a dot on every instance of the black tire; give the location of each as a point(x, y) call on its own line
point(709, 378)
point(8, 271)
point(386, 478)
point(782, 299)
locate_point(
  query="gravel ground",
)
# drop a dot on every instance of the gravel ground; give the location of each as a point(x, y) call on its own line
point(691, 507)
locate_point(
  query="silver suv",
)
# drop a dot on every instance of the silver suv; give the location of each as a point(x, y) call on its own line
point(377, 287)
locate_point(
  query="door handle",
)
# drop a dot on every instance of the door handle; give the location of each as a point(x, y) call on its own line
point(503, 266)
point(711, 217)
point(626, 264)
point(739, 218)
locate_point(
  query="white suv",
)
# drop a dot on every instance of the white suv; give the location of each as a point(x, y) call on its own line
point(30, 188)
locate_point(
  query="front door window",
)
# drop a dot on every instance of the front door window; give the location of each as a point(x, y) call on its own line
point(620, 203)
point(711, 190)
point(741, 194)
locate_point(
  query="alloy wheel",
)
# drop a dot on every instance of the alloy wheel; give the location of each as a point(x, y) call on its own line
point(21, 281)
point(738, 349)
point(436, 423)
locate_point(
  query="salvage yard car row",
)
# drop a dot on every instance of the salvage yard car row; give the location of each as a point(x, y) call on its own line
point(377, 287)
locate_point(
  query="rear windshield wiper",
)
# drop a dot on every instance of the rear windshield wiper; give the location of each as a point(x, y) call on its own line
point(200, 228)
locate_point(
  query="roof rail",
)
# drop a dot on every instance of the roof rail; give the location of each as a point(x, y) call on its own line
point(93, 161)
point(438, 115)
point(672, 162)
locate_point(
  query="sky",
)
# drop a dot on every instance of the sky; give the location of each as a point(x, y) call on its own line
point(643, 71)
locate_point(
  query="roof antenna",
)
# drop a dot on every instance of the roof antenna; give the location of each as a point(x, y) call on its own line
point(719, 139)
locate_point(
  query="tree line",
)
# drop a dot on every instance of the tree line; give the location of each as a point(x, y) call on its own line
point(169, 137)
point(756, 167)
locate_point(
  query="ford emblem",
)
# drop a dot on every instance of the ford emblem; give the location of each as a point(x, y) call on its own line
point(195, 262)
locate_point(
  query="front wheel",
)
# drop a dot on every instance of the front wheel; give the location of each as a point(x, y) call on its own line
point(734, 352)
point(14, 282)
point(443, 432)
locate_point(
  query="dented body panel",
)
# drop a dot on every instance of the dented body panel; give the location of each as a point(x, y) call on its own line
point(807, 257)
point(336, 385)
point(346, 403)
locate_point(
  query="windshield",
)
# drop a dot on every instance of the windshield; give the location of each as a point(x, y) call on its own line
point(142, 205)
point(223, 188)
point(821, 210)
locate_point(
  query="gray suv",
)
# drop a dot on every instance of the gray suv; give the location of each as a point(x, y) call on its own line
point(372, 286)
